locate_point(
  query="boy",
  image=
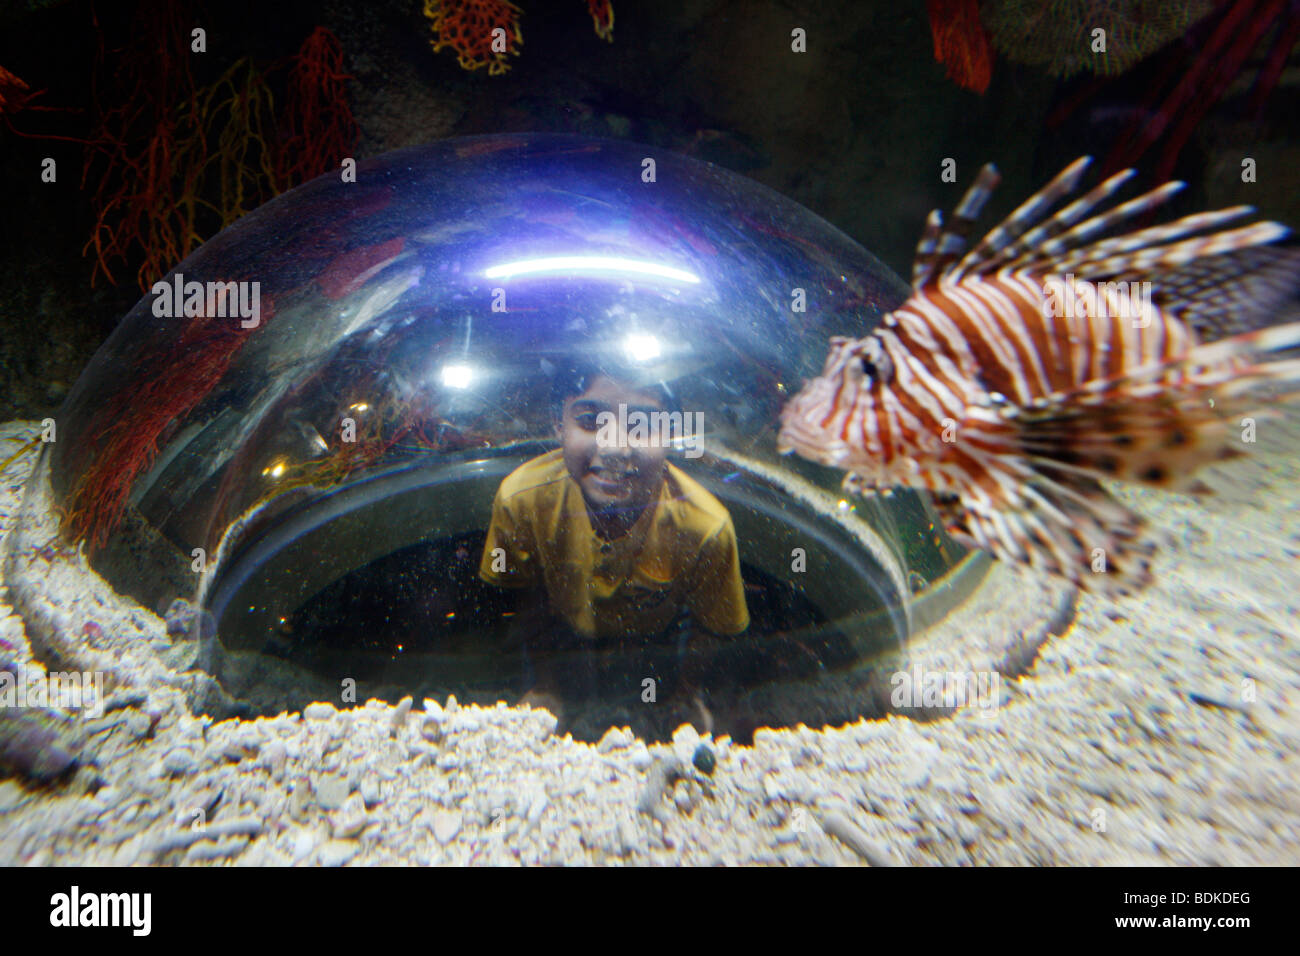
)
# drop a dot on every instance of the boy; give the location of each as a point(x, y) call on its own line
point(607, 539)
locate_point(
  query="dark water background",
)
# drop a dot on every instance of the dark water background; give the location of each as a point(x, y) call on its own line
point(855, 129)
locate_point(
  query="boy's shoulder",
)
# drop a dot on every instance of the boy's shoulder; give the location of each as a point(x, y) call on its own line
point(694, 506)
point(537, 476)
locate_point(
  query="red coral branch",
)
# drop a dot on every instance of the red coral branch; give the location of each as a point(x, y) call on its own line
point(960, 42)
point(16, 97)
point(124, 433)
point(321, 130)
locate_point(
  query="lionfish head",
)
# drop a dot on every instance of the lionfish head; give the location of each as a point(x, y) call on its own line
point(824, 422)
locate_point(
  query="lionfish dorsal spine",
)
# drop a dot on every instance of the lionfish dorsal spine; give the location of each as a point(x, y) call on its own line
point(1152, 237)
point(1034, 243)
point(1085, 232)
point(1025, 216)
point(923, 261)
point(1148, 258)
point(941, 245)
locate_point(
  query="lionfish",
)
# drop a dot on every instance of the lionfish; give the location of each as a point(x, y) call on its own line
point(1022, 374)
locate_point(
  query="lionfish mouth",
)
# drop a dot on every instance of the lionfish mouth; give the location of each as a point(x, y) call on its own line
point(797, 437)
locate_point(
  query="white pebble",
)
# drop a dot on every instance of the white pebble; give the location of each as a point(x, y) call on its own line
point(446, 824)
point(337, 852)
point(180, 762)
point(208, 850)
point(448, 761)
point(331, 792)
point(640, 757)
point(537, 808)
point(274, 756)
point(304, 841)
point(616, 738)
point(685, 740)
point(399, 716)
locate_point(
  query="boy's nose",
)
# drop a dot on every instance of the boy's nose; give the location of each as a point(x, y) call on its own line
point(619, 452)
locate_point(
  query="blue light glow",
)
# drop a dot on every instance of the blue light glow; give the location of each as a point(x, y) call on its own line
point(589, 266)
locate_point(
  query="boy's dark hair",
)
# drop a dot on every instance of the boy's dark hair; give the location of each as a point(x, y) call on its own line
point(574, 378)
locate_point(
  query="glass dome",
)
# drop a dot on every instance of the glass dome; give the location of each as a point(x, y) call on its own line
point(314, 465)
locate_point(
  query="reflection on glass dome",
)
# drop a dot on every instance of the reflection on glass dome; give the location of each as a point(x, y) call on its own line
point(499, 415)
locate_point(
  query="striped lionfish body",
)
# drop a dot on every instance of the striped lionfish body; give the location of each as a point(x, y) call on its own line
point(1024, 372)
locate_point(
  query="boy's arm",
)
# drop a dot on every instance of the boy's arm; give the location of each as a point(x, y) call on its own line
point(717, 597)
point(509, 554)
point(509, 561)
point(717, 605)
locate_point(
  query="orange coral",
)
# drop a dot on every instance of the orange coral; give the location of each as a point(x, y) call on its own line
point(467, 26)
point(602, 15)
point(13, 92)
point(960, 42)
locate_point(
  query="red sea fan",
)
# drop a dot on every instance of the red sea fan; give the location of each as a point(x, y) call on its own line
point(14, 93)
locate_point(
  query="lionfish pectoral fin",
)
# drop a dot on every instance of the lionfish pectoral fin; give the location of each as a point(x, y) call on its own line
point(1068, 525)
point(1157, 424)
point(1240, 291)
point(952, 513)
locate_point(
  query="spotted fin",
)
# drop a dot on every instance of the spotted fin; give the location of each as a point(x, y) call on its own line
point(1158, 423)
point(1225, 295)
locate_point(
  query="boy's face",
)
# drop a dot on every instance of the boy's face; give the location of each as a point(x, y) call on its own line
point(613, 473)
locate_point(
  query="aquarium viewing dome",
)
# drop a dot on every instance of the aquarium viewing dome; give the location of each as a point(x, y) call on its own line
point(296, 437)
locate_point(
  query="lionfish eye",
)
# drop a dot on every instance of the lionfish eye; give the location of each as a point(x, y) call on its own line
point(876, 363)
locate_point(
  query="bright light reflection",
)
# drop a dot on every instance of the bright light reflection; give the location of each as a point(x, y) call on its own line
point(641, 348)
point(588, 265)
point(457, 376)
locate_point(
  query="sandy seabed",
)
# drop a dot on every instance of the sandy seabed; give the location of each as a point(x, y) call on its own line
point(1159, 729)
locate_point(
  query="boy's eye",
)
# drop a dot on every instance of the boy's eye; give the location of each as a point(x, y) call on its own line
point(586, 421)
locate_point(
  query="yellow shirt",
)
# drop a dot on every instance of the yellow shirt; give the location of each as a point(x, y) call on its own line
point(681, 553)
